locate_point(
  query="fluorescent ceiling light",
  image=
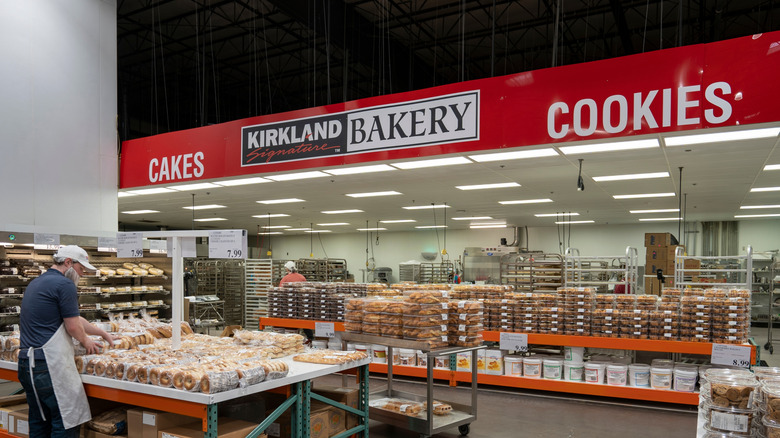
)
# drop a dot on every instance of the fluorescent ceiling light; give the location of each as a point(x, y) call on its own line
point(266, 216)
point(488, 186)
point(333, 224)
point(514, 155)
point(472, 218)
point(361, 169)
point(644, 195)
point(210, 219)
point(372, 229)
point(749, 207)
point(631, 176)
point(241, 182)
point(765, 189)
point(397, 221)
point(273, 227)
point(280, 201)
point(488, 226)
point(488, 223)
point(140, 211)
point(716, 137)
point(154, 191)
point(556, 214)
point(432, 163)
point(659, 210)
point(296, 176)
point(204, 207)
point(431, 226)
point(525, 201)
point(370, 194)
point(573, 222)
point(125, 194)
point(318, 231)
point(341, 211)
point(425, 207)
point(610, 147)
point(196, 186)
point(660, 219)
point(298, 229)
point(757, 215)
point(772, 167)
point(269, 233)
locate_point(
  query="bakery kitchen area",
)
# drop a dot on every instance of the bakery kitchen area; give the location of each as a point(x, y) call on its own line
point(341, 219)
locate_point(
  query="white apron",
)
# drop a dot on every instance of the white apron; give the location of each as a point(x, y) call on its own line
point(65, 379)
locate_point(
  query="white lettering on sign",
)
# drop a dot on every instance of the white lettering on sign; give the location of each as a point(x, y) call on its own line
point(176, 167)
point(583, 118)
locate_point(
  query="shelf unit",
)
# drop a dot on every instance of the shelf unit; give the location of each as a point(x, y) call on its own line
point(602, 272)
point(409, 272)
point(627, 392)
point(258, 279)
point(774, 281)
point(714, 271)
point(532, 272)
point(436, 272)
point(326, 270)
point(225, 279)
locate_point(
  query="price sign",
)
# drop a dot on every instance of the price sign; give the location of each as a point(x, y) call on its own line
point(734, 355)
point(514, 342)
point(106, 244)
point(227, 244)
point(158, 247)
point(324, 329)
point(129, 245)
point(46, 241)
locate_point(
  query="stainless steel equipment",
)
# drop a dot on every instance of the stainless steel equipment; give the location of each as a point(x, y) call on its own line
point(484, 263)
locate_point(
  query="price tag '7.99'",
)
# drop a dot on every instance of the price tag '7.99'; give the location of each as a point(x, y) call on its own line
point(129, 245)
point(734, 355)
point(227, 244)
point(513, 342)
point(324, 329)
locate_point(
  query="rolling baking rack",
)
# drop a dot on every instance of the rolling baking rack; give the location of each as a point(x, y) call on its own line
point(602, 272)
point(204, 406)
point(461, 415)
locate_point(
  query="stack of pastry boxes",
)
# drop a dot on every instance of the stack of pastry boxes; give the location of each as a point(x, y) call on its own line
point(426, 316)
point(665, 322)
point(550, 315)
point(282, 303)
point(605, 317)
point(576, 304)
point(526, 316)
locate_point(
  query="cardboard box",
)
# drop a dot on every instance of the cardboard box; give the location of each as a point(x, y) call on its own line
point(18, 423)
point(13, 400)
point(661, 253)
point(318, 425)
point(86, 432)
point(5, 411)
point(653, 285)
point(494, 362)
point(691, 264)
point(667, 266)
point(146, 423)
point(660, 239)
point(228, 428)
point(347, 396)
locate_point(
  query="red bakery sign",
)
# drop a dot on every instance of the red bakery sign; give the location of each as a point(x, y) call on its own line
point(727, 83)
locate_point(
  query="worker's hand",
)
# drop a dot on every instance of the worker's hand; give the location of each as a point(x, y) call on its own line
point(91, 346)
point(110, 339)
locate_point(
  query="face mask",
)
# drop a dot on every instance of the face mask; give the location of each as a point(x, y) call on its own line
point(72, 275)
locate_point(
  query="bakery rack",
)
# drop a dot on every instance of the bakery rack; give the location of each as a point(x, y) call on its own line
point(259, 277)
point(532, 272)
point(461, 415)
point(774, 280)
point(436, 272)
point(602, 272)
point(712, 271)
point(204, 406)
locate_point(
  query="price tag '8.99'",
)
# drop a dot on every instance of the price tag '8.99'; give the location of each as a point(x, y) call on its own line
point(734, 355)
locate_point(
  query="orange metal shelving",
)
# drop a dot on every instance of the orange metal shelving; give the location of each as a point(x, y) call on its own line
point(296, 323)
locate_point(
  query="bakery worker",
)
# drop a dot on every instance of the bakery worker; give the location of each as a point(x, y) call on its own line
point(49, 321)
point(292, 274)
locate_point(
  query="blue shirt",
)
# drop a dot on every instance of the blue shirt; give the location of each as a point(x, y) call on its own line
point(47, 301)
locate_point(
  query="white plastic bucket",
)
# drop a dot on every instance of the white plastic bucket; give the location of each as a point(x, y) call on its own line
point(553, 369)
point(685, 379)
point(334, 344)
point(350, 347)
point(617, 374)
point(319, 345)
point(379, 353)
point(573, 371)
point(362, 348)
point(513, 366)
point(661, 377)
point(594, 372)
point(406, 356)
point(639, 375)
point(574, 354)
point(532, 367)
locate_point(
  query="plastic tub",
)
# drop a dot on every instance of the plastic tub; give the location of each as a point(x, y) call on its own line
point(406, 356)
point(685, 379)
point(532, 367)
point(574, 354)
point(573, 371)
point(661, 377)
point(513, 366)
point(639, 375)
point(594, 372)
point(617, 374)
point(553, 369)
point(379, 353)
point(319, 345)
point(362, 348)
point(662, 363)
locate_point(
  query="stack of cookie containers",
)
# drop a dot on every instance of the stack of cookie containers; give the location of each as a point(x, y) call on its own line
point(550, 317)
point(605, 317)
point(465, 323)
point(731, 317)
point(695, 316)
point(577, 310)
point(526, 315)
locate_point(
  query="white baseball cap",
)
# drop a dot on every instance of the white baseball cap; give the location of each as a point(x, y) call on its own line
point(290, 265)
point(77, 254)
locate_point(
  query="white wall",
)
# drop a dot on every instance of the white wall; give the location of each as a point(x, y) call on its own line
point(762, 235)
point(58, 107)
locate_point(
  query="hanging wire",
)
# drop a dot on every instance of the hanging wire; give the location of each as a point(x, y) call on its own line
point(462, 40)
point(326, 17)
point(661, 26)
point(311, 239)
point(319, 237)
point(267, 69)
point(214, 66)
point(154, 110)
point(644, 33)
point(162, 63)
point(269, 231)
point(555, 33)
point(493, 40)
point(445, 229)
point(368, 240)
point(193, 211)
point(679, 205)
point(438, 242)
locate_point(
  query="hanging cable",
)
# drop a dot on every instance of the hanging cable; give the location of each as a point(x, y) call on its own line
point(311, 239)
point(438, 242)
point(568, 244)
point(377, 233)
point(444, 251)
point(493, 40)
point(644, 33)
point(267, 69)
point(679, 206)
point(193, 211)
point(555, 34)
point(319, 237)
point(269, 234)
point(368, 243)
point(685, 225)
